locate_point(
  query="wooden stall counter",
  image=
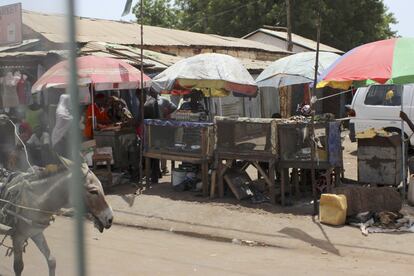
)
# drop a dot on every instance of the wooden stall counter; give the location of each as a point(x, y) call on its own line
point(250, 140)
point(191, 142)
point(295, 152)
point(123, 142)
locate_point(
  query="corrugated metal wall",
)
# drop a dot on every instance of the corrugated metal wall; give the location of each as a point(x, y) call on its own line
point(270, 101)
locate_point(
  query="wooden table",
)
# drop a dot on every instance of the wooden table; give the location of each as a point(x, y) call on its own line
point(164, 137)
point(249, 159)
point(250, 140)
point(120, 140)
point(294, 138)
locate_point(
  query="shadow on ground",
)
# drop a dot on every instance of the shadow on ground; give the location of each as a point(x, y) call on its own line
point(299, 234)
point(130, 192)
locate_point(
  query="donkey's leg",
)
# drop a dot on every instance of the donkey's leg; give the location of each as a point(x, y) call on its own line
point(41, 243)
point(18, 265)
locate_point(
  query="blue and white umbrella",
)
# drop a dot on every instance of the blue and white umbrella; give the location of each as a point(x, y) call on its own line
point(295, 69)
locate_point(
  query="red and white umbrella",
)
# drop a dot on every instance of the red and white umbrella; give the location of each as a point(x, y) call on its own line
point(103, 73)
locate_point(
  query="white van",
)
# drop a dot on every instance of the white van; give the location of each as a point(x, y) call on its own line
point(379, 106)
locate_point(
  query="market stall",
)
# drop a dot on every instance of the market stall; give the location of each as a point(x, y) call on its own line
point(122, 141)
point(252, 140)
point(180, 141)
point(296, 154)
point(188, 137)
point(295, 143)
point(108, 121)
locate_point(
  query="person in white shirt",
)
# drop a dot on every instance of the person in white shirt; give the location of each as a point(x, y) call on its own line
point(60, 133)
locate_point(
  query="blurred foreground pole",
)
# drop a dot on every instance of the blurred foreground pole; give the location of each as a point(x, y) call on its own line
point(76, 185)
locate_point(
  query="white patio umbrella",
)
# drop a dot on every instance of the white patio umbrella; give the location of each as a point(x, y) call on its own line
point(295, 69)
point(214, 74)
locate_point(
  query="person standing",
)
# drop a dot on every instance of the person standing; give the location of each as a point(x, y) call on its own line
point(97, 110)
point(151, 111)
point(193, 102)
point(166, 108)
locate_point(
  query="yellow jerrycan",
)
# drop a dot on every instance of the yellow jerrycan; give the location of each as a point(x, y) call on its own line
point(332, 209)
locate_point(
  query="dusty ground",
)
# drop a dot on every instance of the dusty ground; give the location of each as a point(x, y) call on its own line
point(173, 233)
point(128, 251)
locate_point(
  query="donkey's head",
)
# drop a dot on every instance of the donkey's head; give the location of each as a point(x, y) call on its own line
point(94, 198)
point(95, 201)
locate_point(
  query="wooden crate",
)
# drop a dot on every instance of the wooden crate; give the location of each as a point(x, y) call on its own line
point(295, 145)
point(121, 142)
point(379, 160)
point(247, 139)
point(179, 138)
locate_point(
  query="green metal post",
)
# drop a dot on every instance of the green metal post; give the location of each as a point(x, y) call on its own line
point(76, 185)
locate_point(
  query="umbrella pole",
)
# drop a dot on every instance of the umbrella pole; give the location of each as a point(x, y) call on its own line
point(93, 108)
point(142, 102)
point(403, 161)
point(312, 127)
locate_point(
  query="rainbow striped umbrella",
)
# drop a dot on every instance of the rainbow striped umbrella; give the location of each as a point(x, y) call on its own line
point(384, 61)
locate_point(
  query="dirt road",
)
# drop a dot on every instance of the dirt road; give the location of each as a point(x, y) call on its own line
point(130, 251)
point(194, 237)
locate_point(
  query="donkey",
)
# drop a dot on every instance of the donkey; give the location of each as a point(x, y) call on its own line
point(42, 196)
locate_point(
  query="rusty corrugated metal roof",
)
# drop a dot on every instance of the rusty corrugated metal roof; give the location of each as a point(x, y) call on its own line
point(130, 53)
point(51, 26)
point(25, 44)
point(156, 59)
point(62, 53)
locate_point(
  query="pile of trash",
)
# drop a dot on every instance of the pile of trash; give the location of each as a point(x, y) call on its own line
point(382, 222)
point(320, 118)
point(244, 188)
point(373, 210)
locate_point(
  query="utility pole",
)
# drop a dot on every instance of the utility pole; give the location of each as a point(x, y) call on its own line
point(289, 26)
point(205, 23)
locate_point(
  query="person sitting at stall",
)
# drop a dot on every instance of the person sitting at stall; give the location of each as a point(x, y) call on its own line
point(121, 117)
point(166, 107)
point(38, 146)
point(118, 112)
point(100, 114)
point(193, 102)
